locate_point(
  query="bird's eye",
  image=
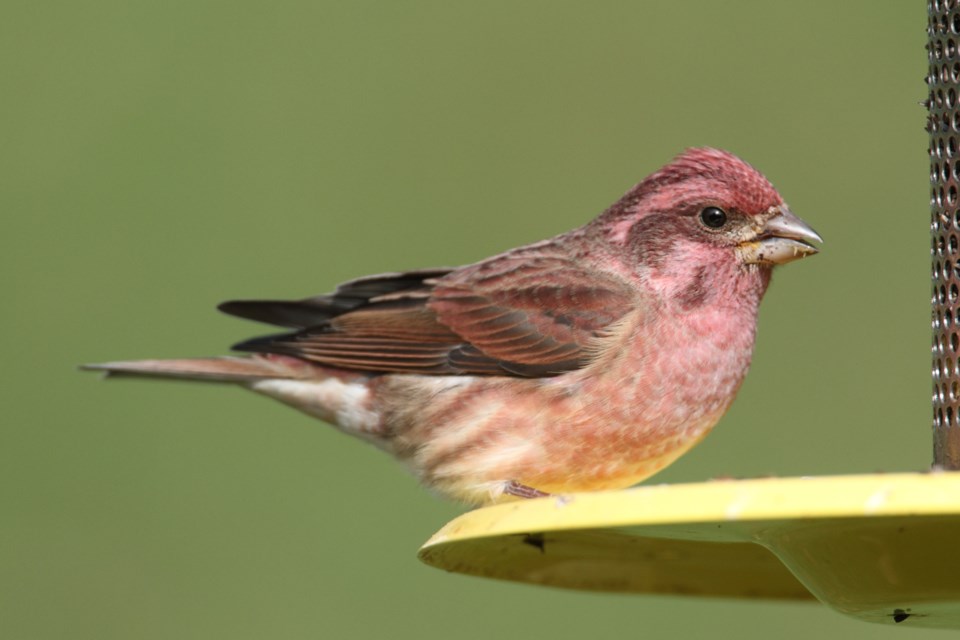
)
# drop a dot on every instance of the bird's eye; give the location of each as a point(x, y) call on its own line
point(713, 217)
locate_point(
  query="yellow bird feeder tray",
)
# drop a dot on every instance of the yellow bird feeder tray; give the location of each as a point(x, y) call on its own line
point(876, 547)
point(880, 548)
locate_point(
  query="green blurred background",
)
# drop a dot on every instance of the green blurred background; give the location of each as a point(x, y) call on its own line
point(159, 157)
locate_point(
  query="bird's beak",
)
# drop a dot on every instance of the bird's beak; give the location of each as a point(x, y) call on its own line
point(783, 238)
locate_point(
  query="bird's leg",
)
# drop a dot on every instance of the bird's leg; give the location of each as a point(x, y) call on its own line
point(514, 488)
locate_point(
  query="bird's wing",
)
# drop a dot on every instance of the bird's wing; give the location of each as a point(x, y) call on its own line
point(529, 314)
point(310, 312)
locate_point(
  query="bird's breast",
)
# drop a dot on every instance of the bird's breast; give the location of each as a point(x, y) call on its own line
point(673, 372)
point(650, 395)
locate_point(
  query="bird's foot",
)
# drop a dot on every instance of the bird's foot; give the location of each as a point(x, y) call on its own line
point(523, 491)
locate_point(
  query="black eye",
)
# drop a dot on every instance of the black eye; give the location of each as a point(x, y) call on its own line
point(713, 217)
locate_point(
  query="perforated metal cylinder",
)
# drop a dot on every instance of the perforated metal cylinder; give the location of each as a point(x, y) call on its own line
point(943, 81)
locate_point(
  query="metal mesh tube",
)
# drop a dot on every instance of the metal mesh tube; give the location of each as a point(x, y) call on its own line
point(943, 124)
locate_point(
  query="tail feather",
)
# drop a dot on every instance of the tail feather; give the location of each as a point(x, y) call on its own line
point(223, 369)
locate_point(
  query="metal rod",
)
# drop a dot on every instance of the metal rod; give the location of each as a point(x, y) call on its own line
point(943, 125)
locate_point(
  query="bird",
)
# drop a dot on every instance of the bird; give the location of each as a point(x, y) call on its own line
point(585, 362)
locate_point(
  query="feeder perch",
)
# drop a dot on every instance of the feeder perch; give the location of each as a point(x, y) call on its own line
point(875, 547)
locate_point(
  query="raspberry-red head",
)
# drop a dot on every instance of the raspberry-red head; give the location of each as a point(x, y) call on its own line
point(705, 173)
point(697, 176)
point(707, 200)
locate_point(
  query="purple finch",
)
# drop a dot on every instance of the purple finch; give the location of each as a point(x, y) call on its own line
point(584, 362)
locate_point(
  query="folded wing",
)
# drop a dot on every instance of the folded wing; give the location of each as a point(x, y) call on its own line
point(531, 313)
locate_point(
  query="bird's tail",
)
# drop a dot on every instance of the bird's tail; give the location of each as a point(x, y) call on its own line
point(221, 369)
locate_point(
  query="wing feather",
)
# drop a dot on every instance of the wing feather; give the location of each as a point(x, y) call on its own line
point(534, 312)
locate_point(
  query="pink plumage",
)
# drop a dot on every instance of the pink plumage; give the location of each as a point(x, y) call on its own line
point(584, 362)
